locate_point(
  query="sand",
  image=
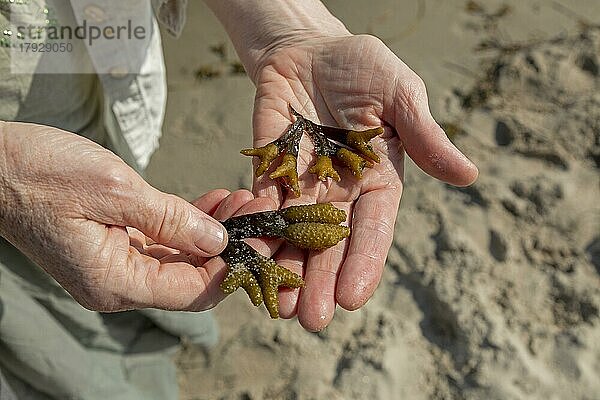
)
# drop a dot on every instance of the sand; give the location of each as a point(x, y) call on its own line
point(492, 291)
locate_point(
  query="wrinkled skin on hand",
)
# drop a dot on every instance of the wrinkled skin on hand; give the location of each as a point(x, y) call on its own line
point(109, 238)
point(353, 82)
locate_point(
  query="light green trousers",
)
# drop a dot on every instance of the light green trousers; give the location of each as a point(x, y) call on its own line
point(53, 348)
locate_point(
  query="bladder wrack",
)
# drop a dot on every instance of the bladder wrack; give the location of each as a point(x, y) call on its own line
point(351, 148)
point(313, 227)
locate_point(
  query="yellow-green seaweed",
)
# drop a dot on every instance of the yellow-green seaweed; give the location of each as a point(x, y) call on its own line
point(313, 227)
point(323, 168)
point(315, 236)
point(352, 148)
point(325, 213)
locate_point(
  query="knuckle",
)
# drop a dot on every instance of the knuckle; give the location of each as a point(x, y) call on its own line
point(112, 191)
point(372, 49)
point(410, 98)
point(415, 89)
point(119, 185)
point(173, 217)
point(118, 180)
point(244, 193)
point(370, 40)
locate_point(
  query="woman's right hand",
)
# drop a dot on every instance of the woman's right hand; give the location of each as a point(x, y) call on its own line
point(109, 238)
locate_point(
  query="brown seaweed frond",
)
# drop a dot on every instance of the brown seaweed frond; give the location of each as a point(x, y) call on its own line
point(258, 275)
point(323, 168)
point(238, 276)
point(314, 227)
point(270, 277)
point(266, 154)
point(345, 144)
point(355, 163)
point(359, 140)
point(288, 171)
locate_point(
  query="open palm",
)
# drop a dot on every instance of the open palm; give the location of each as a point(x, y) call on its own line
point(352, 82)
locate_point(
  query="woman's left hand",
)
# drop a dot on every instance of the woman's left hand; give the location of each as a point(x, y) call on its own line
point(353, 82)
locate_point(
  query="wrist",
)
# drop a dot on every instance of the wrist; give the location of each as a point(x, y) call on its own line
point(4, 178)
point(13, 192)
point(260, 28)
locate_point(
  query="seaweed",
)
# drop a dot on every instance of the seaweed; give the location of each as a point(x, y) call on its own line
point(351, 148)
point(313, 227)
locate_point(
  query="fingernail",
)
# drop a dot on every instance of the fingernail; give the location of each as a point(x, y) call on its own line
point(214, 238)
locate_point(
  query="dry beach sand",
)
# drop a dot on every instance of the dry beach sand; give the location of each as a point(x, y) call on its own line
point(492, 291)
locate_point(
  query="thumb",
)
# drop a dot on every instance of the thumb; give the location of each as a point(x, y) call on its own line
point(424, 140)
point(173, 222)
